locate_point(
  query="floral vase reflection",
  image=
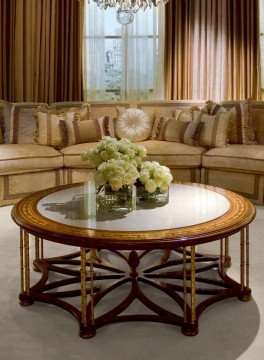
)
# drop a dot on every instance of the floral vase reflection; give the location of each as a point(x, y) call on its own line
point(156, 198)
point(78, 209)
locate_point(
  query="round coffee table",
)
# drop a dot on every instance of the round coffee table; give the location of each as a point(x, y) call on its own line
point(195, 214)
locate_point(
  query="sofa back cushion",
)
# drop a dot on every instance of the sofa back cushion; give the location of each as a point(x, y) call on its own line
point(23, 124)
point(161, 108)
point(18, 122)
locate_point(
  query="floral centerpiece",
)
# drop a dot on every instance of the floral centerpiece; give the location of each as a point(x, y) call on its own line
point(110, 148)
point(155, 180)
point(116, 173)
point(119, 165)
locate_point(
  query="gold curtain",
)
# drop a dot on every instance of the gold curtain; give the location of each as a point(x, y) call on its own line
point(41, 51)
point(212, 49)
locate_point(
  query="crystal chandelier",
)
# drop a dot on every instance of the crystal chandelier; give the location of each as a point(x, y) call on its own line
point(127, 8)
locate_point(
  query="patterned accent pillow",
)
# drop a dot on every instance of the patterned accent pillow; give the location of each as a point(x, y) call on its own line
point(77, 132)
point(214, 133)
point(133, 124)
point(241, 129)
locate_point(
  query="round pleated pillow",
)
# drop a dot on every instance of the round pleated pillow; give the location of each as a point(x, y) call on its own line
point(133, 124)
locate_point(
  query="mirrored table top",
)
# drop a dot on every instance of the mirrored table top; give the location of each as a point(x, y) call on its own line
point(188, 205)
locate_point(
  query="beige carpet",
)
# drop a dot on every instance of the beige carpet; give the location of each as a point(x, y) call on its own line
point(228, 330)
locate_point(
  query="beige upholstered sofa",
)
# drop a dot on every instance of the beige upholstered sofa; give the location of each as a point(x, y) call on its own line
point(26, 167)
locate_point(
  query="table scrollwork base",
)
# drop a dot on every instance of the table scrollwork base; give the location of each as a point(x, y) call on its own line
point(180, 273)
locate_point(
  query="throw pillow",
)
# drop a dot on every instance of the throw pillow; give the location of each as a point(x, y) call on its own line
point(179, 128)
point(133, 124)
point(214, 133)
point(77, 132)
point(48, 128)
point(173, 128)
point(241, 129)
point(48, 120)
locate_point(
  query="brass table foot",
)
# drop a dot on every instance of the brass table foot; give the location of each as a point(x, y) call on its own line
point(24, 300)
point(190, 329)
point(87, 332)
point(245, 295)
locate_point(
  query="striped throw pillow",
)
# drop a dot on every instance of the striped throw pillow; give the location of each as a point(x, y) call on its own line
point(241, 129)
point(180, 128)
point(48, 120)
point(214, 133)
point(77, 132)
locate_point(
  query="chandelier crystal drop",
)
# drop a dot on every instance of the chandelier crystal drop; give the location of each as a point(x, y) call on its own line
point(127, 8)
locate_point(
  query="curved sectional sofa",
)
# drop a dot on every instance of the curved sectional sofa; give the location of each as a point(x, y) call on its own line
point(27, 167)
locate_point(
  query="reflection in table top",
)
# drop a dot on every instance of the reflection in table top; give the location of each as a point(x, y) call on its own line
point(188, 205)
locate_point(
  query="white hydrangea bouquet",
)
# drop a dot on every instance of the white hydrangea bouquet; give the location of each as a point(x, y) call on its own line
point(119, 165)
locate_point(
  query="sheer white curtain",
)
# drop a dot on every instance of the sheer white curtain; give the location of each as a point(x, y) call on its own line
point(143, 56)
point(94, 53)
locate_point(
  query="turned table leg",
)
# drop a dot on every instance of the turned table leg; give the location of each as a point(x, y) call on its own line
point(87, 329)
point(190, 325)
point(245, 294)
point(24, 298)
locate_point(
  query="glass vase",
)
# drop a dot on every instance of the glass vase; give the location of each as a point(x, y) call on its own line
point(157, 197)
point(123, 200)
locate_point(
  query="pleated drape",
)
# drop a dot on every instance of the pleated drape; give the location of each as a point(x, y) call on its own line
point(41, 50)
point(212, 49)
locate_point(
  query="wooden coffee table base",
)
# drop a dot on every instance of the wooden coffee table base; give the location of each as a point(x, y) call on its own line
point(178, 278)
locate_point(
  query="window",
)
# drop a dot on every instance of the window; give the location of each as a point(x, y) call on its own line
point(123, 62)
point(113, 56)
point(261, 12)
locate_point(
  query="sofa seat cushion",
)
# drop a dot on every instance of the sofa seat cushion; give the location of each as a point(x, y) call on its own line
point(167, 153)
point(249, 158)
point(72, 155)
point(173, 154)
point(15, 158)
